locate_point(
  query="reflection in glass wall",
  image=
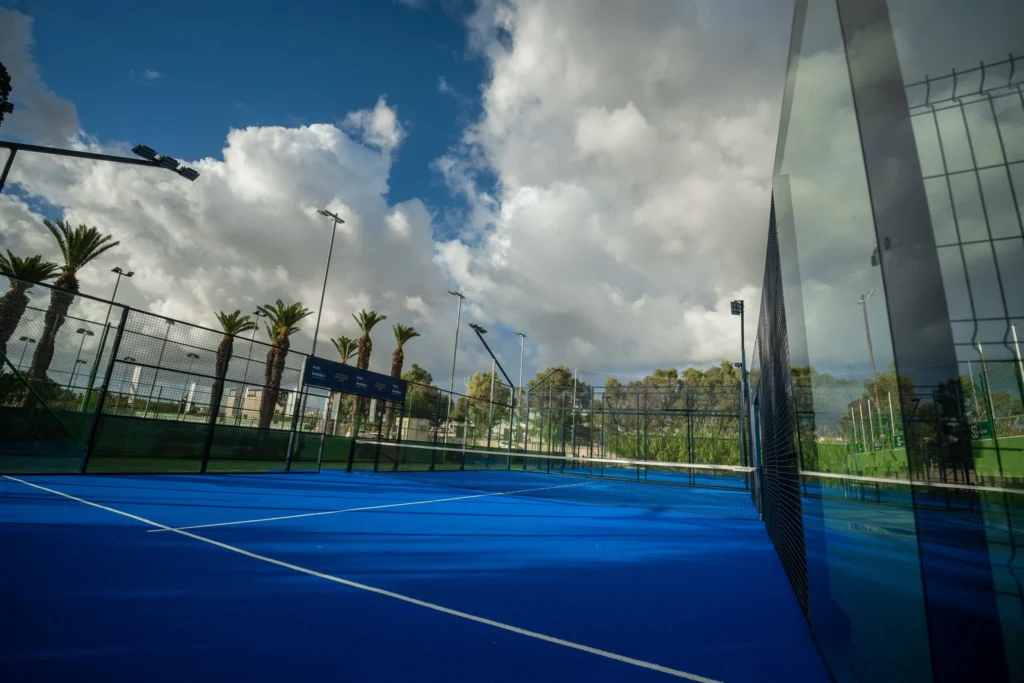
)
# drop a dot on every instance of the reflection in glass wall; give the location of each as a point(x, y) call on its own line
point(963, 64)
point(899, 213)
point(863, 567)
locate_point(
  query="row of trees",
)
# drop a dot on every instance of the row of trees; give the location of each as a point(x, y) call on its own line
point(281, 323)
point(78, 247)
point(84, 244)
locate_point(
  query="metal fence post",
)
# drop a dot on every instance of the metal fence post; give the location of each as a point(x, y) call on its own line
point(293, 434)
point(95, 368)
point(355, 436)
point(94, 427)
point(211, 423)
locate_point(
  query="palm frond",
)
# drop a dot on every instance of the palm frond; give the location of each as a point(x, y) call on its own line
point(30, 270)
point(368, 319)
point(404, 333)
point(283, 318)
point(79, 245)
point(235, 323)
point(346, 348)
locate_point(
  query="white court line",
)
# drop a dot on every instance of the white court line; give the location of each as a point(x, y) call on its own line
point(380, 591)
point(910, 482)
point(369, 507)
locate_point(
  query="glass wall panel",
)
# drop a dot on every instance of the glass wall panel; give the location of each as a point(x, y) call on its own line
point(864, 572)
point(968, 62)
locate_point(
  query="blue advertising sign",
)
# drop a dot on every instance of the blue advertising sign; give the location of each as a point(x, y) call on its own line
point(329, 374)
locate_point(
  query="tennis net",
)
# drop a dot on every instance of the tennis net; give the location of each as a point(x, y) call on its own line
point(703, 489)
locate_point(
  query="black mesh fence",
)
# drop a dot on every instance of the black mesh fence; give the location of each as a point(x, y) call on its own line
point(774, 395)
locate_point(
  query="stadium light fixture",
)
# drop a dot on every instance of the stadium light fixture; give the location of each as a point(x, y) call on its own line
point(163, 161)
point(170, 163)
point(149, 157)
point(477, 328)
point(120, 274)
point(145, 152)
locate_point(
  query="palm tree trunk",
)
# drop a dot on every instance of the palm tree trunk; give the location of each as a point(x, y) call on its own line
point(363, 363)
point(61, 298)
point(12, 307)
point(397, 361)
point(223, 360)
point(272, 380)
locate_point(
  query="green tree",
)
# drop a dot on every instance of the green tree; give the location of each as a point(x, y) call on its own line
point(418, 375)
point(5, 92)
point(281, 325)
point(233, 324)
point(79, 246)
point(23, 273)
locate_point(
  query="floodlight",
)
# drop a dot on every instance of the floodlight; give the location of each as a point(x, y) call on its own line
point(144, 152)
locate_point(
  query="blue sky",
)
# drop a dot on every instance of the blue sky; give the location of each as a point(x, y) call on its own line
point(609, 202)
point(178, 76)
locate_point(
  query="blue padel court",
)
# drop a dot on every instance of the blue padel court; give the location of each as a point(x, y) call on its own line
point(361, 577)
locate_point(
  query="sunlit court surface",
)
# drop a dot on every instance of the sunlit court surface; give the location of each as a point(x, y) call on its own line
point(361, 577)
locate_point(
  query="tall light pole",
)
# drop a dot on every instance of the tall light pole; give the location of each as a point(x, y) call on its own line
point(160, 359)
point(85, 333)
point(245, 373)
point(480, 332)
point(991, 408)
point(522, 352)
point(327, 269)
point(149, 158)
point(737, 307)
point(74, 371)
point(867, 331)
point(120, 274)
point(27, 340)
point(455, 352)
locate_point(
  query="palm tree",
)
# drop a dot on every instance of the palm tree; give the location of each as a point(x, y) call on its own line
point(281, 321)
point(366, 321)
point(23, 273)
point(78, 246)
point(233, 325)
point(346, 348)
point(403, 333)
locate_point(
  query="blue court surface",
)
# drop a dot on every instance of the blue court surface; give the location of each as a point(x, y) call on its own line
point(359, 577)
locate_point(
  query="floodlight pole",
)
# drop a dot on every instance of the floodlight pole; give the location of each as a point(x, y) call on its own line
point(522, 351)
point(152, 160)
point(480, 332)
point(455, 351)
point(739, 308)
point(327, 269)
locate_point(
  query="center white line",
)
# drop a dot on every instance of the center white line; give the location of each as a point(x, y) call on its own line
point(380, 591)
point(369, 507)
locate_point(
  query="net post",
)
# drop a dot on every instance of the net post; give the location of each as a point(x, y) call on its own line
point(296, 414)
point(104, 388)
